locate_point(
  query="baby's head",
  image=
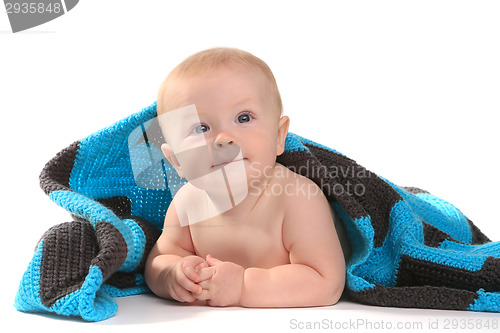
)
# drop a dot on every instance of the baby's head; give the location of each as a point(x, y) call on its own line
point(209, 61)
point(224, 102)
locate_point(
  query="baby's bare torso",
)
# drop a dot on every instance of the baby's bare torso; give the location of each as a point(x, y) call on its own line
point(254, 239)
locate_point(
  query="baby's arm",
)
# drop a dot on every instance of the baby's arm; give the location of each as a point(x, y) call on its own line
point(315, 275)
point(172, 268)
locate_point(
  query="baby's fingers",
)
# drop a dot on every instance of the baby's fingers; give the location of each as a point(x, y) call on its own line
point(193, 272)
point(182, 295)
point(205, 295)
point(206, 273)
point(187, 283)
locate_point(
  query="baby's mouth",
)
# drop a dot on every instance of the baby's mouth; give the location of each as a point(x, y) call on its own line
point(220, 157)
point(226, 163)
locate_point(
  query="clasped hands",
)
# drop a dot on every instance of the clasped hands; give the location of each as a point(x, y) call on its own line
point(219, 283)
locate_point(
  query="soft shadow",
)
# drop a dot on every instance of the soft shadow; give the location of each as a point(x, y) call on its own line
point(147, 309)
point(54, 316)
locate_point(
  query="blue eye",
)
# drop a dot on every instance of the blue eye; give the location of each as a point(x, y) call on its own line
point(200, 128)
point(244, 118)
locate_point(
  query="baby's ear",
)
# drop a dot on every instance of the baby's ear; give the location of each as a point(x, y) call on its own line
point(282, 132)
point(169, 154)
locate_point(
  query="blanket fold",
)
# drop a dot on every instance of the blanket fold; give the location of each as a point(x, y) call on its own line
point(409, 248)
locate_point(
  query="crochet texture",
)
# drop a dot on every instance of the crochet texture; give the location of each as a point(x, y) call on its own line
point(409, 248)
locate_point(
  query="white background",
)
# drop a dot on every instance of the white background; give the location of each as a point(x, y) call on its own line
point(409, 89)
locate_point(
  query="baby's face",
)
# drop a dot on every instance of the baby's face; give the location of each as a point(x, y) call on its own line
point(230, 111)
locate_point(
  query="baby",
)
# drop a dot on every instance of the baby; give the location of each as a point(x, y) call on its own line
point(245, 230)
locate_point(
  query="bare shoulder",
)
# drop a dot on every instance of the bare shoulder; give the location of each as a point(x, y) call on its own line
point(301, 194)
point(297, 188)
point(184, 193)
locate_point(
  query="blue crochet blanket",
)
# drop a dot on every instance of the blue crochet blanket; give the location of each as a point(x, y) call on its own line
point(409, 248)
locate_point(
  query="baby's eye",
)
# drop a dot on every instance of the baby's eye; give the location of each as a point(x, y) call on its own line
point(200, 128)
point(244, 118)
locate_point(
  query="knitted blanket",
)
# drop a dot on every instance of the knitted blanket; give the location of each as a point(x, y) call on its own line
point(409, 248)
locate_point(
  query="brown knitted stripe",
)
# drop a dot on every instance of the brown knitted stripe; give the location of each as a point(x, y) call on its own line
point(69, 249)
point(415, 297)
point(415, 272)
point(112, 249)
point(414, 190)
point(56, 173)
point(433, 237)
point(122, 280)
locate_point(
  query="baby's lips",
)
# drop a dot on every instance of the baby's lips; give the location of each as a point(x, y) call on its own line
point(228, 153)
point(199, 161)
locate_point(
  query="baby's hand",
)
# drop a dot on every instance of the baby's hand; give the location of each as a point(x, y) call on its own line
point(225, 286)
point(183, 279)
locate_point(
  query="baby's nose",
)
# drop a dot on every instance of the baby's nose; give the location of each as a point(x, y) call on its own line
point(223, 140)
point(223, 144)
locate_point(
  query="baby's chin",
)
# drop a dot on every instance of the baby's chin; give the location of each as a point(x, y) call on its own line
point(233, 175)
point(222, 193)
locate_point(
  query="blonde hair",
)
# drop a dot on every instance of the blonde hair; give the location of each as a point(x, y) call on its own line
point(216, 58)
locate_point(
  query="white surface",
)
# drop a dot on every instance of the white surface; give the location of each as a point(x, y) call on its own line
point(409, 89)
point(146, 312)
